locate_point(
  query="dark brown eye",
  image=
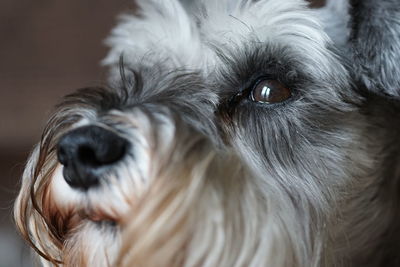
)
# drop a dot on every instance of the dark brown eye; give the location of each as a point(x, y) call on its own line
point(270, 92)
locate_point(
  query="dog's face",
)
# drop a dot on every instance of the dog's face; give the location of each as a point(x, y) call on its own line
point(227, 122)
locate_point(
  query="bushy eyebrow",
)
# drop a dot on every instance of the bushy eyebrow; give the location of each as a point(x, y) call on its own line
point(96, 98)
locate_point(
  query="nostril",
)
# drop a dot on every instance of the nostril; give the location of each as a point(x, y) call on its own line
point(87, 156)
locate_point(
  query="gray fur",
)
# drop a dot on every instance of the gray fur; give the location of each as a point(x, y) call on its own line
point(375, 44)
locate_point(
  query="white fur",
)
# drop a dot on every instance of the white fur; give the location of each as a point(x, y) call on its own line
point(335, 18)
point(166, 30)
point(163, 28)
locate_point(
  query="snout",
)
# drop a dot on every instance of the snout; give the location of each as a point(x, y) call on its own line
point(87, 153)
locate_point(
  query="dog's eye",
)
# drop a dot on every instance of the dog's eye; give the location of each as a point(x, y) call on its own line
point(270, 92)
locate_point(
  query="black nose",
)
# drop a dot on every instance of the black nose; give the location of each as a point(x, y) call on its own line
point(87, 152)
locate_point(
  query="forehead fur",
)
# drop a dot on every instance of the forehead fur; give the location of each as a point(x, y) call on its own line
point(187, 36)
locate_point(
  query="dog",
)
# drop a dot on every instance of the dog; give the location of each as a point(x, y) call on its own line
point(231, 133)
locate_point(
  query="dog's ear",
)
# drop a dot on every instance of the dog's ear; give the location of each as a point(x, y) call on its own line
point(157, 26)
point(375, 44)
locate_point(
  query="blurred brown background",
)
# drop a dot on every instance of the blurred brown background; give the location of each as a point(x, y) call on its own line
point(48, 48)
